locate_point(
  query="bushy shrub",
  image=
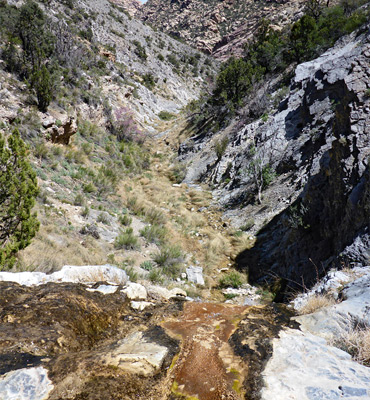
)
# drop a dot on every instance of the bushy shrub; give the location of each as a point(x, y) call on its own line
point(221, 146)
point(232, 279)
point(38, 48)
point(271, 51)
point(234, 81)
point(127, 240)
point(79, 200)
point(125, 220)
point(125, 127)
point(89, 188)
point(168, 255)
point(140, 50)
point(155, 216)
point(147, 265)
point(132, 274)
point(149, 81)
point(156, 275)
point(85, 212)
point(103, 218)
point(166, 116)
point(154, 233)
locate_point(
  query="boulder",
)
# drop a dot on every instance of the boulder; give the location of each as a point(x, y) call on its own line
point(135, 291)
point(141, 305)
point(62, 134)
point(105, 289)
point(159, 293)
point(332, 321)
point(69, 273)
point(195, 275)
point(136, 355)
point(26, 384)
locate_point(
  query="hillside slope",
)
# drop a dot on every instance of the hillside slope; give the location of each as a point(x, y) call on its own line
point(217, 27)
point(317, 141)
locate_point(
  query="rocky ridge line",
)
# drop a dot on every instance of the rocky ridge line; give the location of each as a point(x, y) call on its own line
point(217, 27)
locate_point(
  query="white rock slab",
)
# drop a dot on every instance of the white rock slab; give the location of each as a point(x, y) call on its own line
point(25, 384)
point(331, 283)
point(141, 305)
point(136, 355)
point(90, 273)
point(335, 319)
point(160, 293)
point(69, 273)
point(304, 367)
point(105, 289)
point(135, 291)
point(195, 274)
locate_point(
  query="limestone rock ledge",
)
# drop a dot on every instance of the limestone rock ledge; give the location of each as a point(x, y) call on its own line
point(305, 367)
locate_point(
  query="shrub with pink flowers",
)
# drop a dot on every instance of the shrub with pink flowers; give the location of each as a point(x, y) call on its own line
point(125, 126)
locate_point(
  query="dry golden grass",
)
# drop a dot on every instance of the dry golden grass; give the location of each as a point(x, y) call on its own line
point(315, 303)
point(48, 253)
point(241, 242)
point(357, 343)
point(153, 198)
point(355, 340)
point(216, 248)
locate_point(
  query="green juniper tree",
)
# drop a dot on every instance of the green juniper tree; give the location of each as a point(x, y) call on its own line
point(18, 189)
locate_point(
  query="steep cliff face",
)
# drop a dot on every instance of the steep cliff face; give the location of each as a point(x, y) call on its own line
point(318, 143)
point(330, 221)
point(218, 27)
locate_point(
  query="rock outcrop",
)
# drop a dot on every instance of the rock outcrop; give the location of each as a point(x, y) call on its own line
point(217, 27)
point(131, 6)
point(318, 143)
point(61, 133)
point(80, 340)
point(325, 137)
point(297, 373)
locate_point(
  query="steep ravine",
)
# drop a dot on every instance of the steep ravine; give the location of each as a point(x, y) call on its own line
point(121, 332)
point(315, 214)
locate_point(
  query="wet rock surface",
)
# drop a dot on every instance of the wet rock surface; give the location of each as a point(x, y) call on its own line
point(224, 349)
point(64, 341)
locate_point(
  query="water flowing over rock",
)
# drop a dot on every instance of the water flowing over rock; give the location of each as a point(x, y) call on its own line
point(64, 340)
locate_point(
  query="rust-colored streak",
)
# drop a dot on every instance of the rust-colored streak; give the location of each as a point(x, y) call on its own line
point(205, 361)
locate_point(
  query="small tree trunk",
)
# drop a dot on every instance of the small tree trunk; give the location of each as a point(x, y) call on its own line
point(259, 195)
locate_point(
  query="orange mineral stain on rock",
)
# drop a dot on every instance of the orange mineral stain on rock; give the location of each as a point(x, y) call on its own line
point(207, 367)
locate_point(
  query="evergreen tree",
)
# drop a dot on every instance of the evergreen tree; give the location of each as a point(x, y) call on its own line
point(234, 81)
point(303, 39)
point(18, 189)
point(42, 83)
